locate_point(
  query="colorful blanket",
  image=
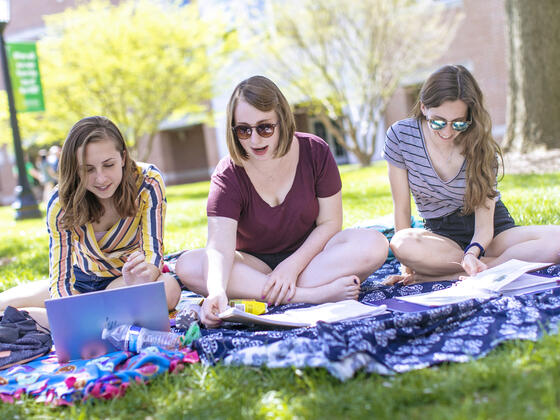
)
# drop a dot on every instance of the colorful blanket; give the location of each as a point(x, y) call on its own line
point(391, 343)
point(105, 377)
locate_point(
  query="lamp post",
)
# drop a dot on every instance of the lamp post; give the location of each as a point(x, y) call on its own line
point(25, 204)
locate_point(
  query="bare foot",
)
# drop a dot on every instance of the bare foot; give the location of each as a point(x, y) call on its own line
point(343, 288)
point(419, 278)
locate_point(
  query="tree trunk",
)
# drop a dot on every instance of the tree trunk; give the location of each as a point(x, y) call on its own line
point(533, 108)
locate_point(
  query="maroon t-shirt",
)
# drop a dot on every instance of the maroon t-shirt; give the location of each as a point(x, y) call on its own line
point(283, 228)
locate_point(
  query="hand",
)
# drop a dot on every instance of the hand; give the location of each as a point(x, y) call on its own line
point(211, 307)
point(280, 286)
point(472, 265)
point(137, 271)
point(406, 277)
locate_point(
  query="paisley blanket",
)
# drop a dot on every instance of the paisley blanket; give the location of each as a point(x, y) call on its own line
point(395, 342)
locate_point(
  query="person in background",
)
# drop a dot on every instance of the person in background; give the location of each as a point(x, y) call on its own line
point(446, 156)
point(48, 180)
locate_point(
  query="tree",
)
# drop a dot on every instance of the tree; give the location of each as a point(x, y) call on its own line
point(345, 59)
point(140, 63)
point(533, 103)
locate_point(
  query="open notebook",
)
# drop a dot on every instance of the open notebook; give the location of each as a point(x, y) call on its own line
point(509, 279)
point(305, 317)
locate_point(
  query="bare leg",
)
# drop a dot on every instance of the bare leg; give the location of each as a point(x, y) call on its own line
point(351, 252)
point(172, 289)
point(31, 294)
point(427, 253)
point(249, 276)
point(527, 243)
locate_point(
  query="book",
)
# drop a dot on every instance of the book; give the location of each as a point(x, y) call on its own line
point(306, 317)
point(509, 279)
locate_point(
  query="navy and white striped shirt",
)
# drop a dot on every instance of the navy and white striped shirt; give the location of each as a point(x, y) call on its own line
point(405, 147)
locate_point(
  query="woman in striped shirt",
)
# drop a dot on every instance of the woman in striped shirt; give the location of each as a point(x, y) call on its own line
point(105, 221)
point(446, 156)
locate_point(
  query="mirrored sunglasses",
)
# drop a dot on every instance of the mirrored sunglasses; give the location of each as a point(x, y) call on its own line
point(459, 126)
point(244, 131)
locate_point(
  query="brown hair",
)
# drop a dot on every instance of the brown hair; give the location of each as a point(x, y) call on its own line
point(455, 82)
point(80, 205)
point(263, 94)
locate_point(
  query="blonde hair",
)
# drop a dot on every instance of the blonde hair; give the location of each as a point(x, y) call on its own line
point(264, 95)
point(80, 205)
point(482, 153)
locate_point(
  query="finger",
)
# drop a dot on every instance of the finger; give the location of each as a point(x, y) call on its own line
point(291, 292)
point(282, 294)
point(133, 255)
point(139, 268)
point(409, 280)
point(131, 263)
point(266, 288)
point(274, 293)
point(393, 279)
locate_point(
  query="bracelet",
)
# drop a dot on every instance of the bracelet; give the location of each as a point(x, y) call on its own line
point(476, 244)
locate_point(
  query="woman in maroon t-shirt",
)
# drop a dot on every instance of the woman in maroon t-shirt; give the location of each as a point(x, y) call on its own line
point(275, 215)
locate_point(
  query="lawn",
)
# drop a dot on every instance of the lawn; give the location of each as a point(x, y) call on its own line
point(519, 380)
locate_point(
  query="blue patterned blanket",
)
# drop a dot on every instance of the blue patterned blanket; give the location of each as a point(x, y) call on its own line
point(390, 343)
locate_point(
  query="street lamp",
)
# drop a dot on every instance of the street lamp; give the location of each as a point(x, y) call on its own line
point(25, 204)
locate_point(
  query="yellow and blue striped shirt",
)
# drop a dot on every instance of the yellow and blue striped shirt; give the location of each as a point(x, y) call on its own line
point(105, 258)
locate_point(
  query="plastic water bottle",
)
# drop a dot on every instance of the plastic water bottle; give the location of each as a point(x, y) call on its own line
point(133, 338)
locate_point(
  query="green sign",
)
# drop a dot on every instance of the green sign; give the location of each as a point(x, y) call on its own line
point(26, 80)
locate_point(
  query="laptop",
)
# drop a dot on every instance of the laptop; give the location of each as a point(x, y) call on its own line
point(77, 321)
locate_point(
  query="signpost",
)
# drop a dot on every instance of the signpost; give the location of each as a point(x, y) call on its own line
point(26, 206)
point(26, 79)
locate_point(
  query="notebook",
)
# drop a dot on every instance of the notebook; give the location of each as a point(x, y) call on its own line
point(77, 321)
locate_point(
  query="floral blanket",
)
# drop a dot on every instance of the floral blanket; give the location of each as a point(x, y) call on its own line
point(105, 377)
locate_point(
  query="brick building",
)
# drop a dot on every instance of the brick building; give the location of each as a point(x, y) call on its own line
point(188, 152)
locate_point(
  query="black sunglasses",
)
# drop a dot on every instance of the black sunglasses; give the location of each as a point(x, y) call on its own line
point(244, 131)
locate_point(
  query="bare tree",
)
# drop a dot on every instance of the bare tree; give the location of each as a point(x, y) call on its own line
point(344, 59)
point(534, 85)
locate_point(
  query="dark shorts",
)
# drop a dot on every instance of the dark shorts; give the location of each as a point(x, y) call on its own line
point(272, 260)
point(460, 228)
point(85, 283)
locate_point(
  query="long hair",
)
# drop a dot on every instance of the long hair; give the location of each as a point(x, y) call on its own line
point(482, 153)
point(81, 206)
point(263, 94)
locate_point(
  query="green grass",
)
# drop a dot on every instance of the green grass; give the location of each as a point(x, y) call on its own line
point(518, 380)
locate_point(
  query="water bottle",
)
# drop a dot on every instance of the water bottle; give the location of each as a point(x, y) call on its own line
point(133, 338)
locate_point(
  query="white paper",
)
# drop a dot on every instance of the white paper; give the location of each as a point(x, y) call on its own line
point(327, 312)
point(508, 277)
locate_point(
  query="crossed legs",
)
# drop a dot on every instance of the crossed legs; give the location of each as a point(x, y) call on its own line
point(433, 257)
point(332, 275)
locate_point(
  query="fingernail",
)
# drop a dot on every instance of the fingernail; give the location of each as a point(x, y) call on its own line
point(355, 281)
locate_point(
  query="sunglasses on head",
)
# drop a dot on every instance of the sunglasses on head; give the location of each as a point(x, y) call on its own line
point(244, 131)
point(440, 124)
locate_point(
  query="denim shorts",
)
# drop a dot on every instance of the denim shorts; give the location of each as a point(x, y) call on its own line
point(460, 228)
point(85, 283)
point(272, 260)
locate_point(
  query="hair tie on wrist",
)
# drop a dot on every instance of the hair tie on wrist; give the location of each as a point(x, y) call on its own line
point(476, 244)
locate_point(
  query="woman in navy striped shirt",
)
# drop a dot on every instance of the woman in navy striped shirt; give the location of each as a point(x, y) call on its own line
point(446, 156)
